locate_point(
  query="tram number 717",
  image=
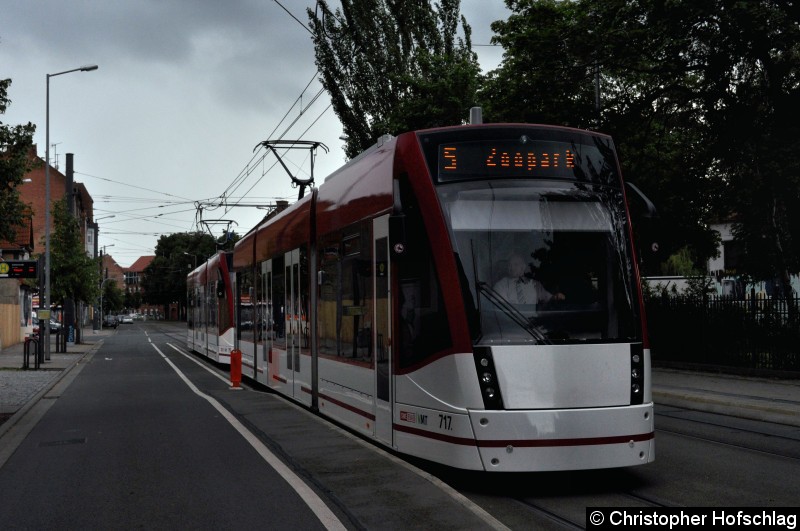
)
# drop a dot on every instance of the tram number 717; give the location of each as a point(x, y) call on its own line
point(445, 422)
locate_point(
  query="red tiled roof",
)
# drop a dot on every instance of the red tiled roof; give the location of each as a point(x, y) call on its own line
point(140, 264)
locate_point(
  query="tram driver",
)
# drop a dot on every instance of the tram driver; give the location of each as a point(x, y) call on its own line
point(519, 287)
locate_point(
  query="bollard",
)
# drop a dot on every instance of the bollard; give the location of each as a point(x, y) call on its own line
point(26, 353)
point(236, 368)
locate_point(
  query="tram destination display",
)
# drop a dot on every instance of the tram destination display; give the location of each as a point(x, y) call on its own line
point(522, 157)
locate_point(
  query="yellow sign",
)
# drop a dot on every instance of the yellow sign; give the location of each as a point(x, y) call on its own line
point(4, 268)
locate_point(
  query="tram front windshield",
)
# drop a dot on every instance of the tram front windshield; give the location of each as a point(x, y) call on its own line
point(542, 261)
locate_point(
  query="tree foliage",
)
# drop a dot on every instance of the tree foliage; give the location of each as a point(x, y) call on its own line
point(699, 97)
point(164, 280)
point(394, 65)
point(73, 274)
point(113, 298)
point(754, 57)
point(15, 143)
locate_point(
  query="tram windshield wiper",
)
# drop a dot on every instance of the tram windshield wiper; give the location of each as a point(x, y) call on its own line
point(509, 310)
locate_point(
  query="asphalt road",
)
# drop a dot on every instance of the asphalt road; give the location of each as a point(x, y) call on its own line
point(128, 444)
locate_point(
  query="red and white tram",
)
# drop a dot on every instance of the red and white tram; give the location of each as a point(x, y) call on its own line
point(378, 300)
point(210, 309)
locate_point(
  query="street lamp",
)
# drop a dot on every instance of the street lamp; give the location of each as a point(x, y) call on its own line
point(193, 256)
point(46, 302)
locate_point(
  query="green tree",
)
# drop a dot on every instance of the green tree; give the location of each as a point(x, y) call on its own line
point(394, 65)
point(164, 280)
point(616, 66)
point(132, 300)
point(15, 143)
point(753, 59)
point(73, 274)
point(113, 298)
point(547, 72)
point(698, 96)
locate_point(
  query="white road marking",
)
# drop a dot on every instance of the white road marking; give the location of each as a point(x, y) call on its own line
point(200, 363)
point(314, 502)
point(481, 513)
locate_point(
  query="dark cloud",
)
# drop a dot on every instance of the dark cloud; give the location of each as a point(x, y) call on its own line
point(185, 89)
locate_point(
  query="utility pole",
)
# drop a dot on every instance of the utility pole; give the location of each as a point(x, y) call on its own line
point(69, 303)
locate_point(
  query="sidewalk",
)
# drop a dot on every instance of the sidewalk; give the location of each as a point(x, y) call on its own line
point(18, 387)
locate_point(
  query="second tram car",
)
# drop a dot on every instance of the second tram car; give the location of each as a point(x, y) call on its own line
point(210, 308)
point(468, 295)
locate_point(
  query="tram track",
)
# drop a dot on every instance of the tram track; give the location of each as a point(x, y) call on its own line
point(780, 455)
point(706, 422)
point(765, 438)
point(560, 522)
point(652, 500)
point(562, 513)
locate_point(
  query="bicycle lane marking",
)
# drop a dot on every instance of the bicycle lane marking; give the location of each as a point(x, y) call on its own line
point(314, 502)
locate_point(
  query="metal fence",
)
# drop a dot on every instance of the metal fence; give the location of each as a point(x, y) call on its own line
point(747, 333)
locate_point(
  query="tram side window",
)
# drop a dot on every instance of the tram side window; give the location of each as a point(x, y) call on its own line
point(260, 305)
point(211, 297)
point(224, 314)
point(190, 308)
point(345, 300)
point(268, 322)
point(304, 299)
point(329, 294)
point(424, 328)
point(244, 307)
point(278, 301)
point(201, 314)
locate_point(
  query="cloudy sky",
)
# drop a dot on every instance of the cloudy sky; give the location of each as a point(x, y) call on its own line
point(184, 91)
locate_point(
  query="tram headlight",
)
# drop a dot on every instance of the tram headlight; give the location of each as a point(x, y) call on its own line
point(638, 373)
point(487, 377)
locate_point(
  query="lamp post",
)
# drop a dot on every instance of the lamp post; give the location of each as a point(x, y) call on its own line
point(102, 315)
point(46, 303)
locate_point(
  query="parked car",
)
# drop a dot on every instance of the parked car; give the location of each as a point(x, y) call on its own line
point(55, 326)
point(125, 319)
point(111, 320)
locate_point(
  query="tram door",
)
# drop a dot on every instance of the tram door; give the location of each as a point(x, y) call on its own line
point(382, 330)
point(295, 322)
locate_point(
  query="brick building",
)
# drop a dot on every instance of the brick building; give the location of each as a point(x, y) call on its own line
point(133, 276)
point(111, 269)
point(16, 298)
point(16, 295)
